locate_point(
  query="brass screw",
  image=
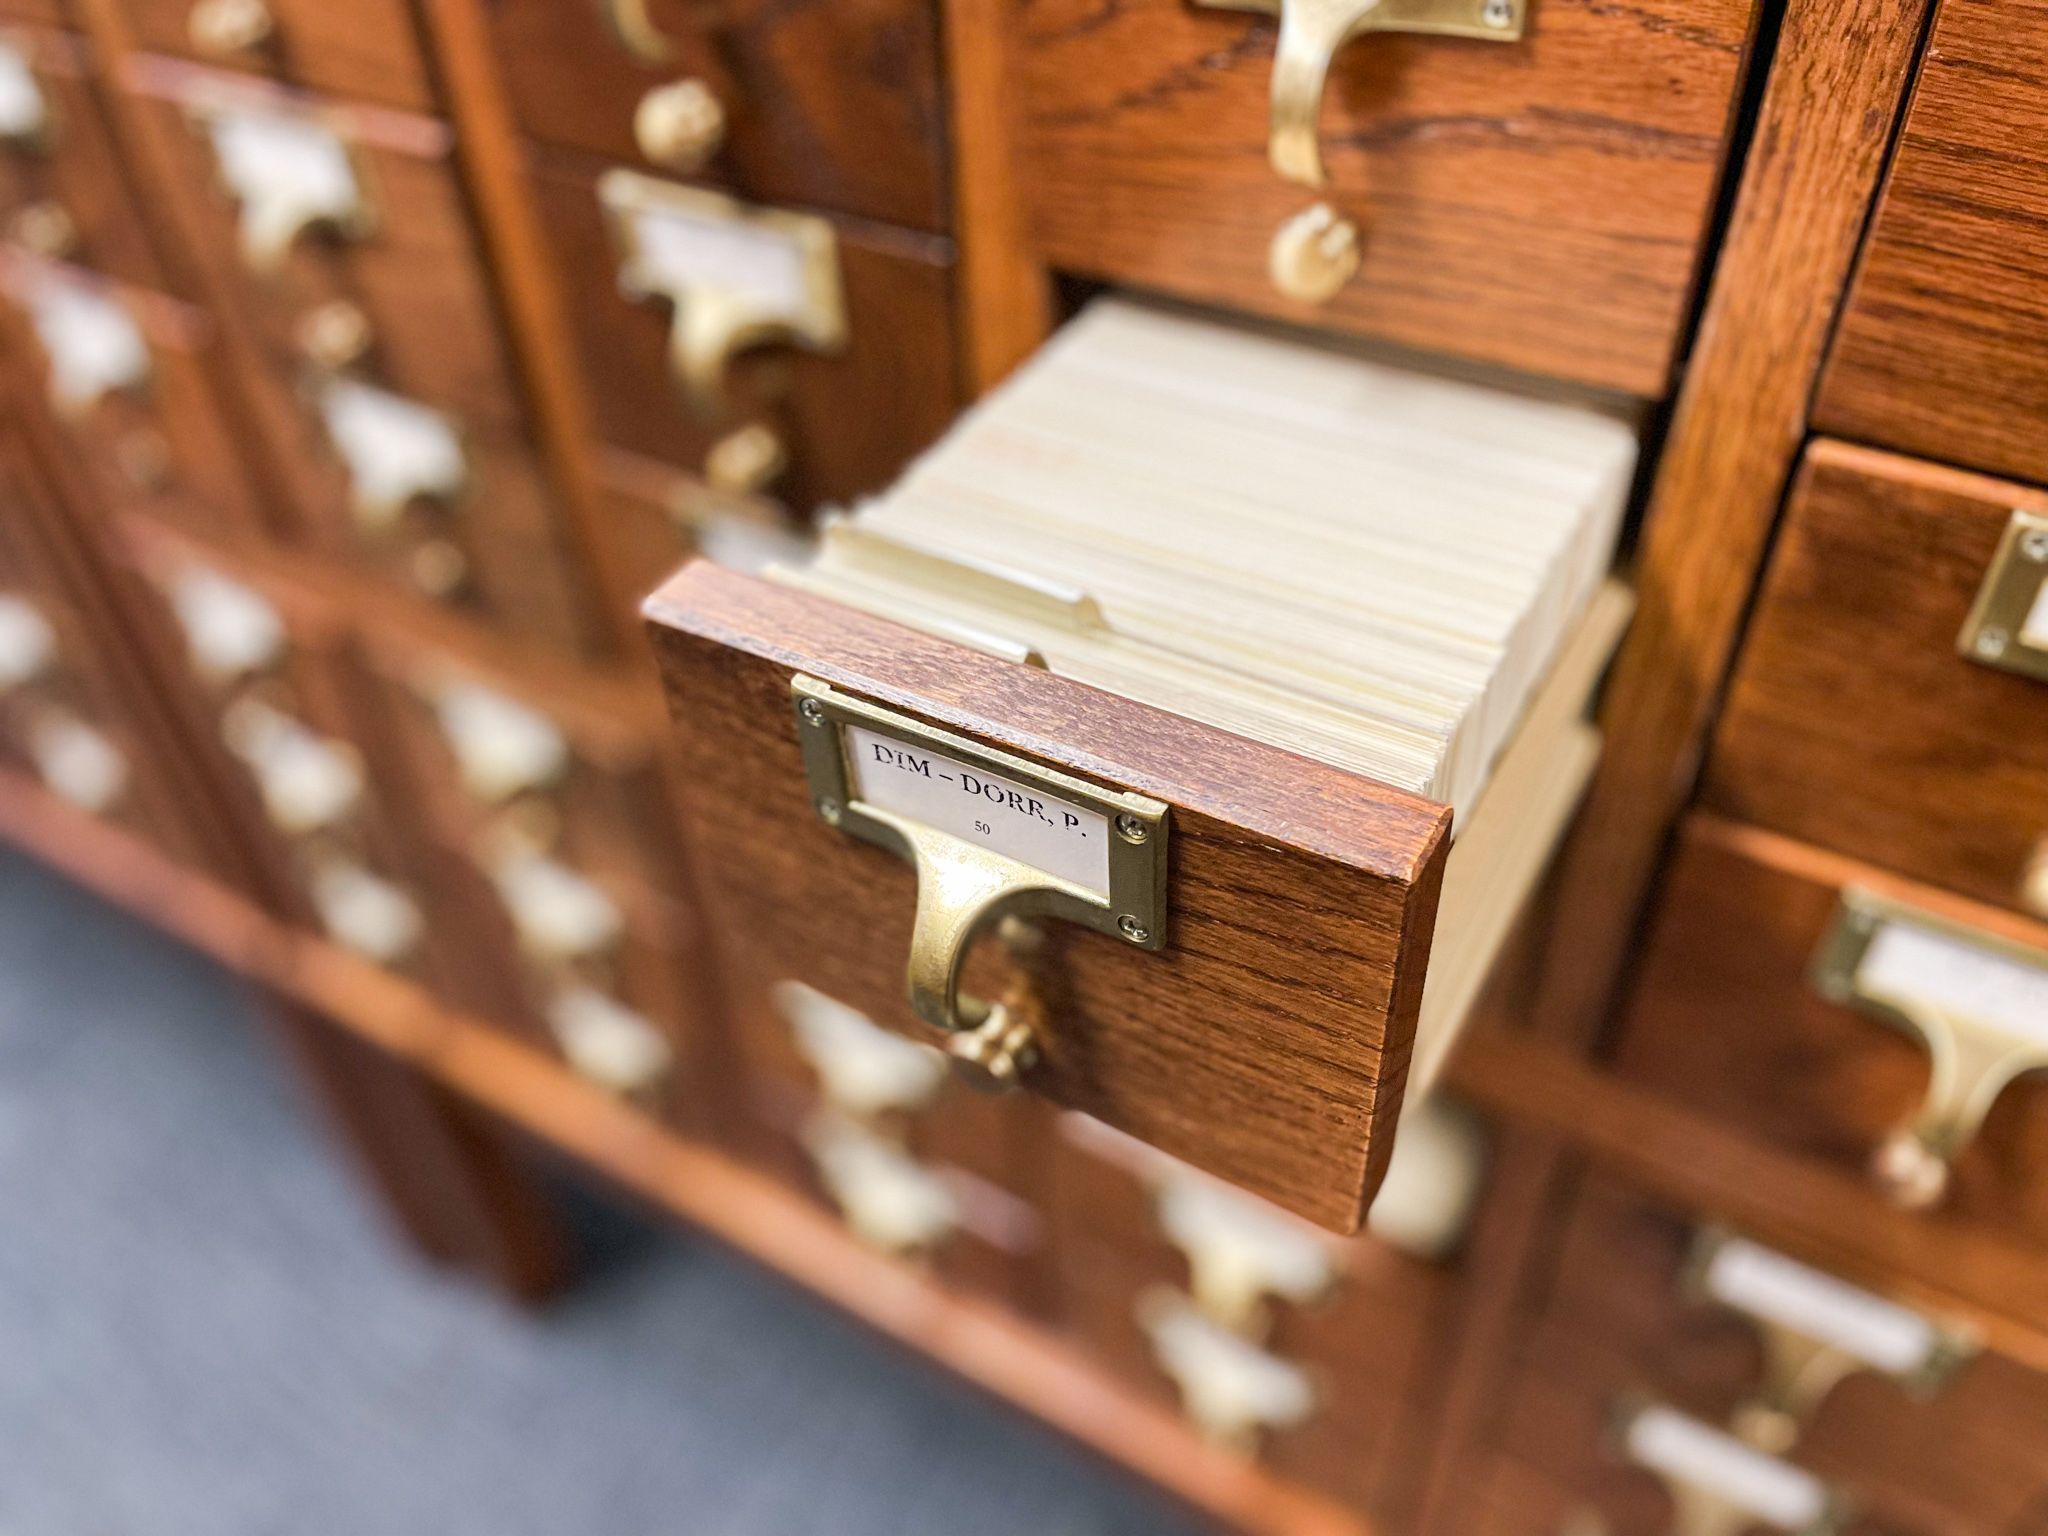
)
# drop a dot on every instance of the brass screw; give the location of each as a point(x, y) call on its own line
point(1498, 13)
point(680, 125)
point(220, 28)
point(1132, 929)
point(1131, 829)
point(1314, 254)
point(830, 810)
point(746, 460)
point(1991, 643)
point(812, 711)
point(2034, 545)
point(333, 336)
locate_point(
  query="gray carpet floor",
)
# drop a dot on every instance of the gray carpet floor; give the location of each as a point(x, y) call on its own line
point(204, 1329)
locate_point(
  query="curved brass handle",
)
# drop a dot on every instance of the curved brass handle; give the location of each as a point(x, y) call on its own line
point(1719, 1486)
point(633, 25)
point(1969, 1069)
point(1311, 33)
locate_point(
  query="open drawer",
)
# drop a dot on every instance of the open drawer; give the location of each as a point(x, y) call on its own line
point(1200, 802)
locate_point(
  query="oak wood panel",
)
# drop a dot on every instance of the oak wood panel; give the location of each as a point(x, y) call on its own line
point(76, 166)
point(850, 421)
point(1725, 1022)
point(987, 1345)
point(1838, 76)
point(1943, 348)
point(367, 50)
point(1850, 677)
point(1538, 205)
point(416, 274)
point(829, 103)
point(1266, 1043)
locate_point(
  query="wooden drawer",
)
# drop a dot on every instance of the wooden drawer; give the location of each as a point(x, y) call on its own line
point(1898, 1413)
point(129, 378)
point(468, 521)
point(1537, 203)
point(62, 191)
point(368, 50)
point(875, 1127)
point(1943, 347)
point(1171, 1279)
point(1794, 994)
point(820, 105)
point(847, 417)
point(1223, 1044)
point(1852, 675)
point(284, 720)
point(657, 517)
point(341, 232)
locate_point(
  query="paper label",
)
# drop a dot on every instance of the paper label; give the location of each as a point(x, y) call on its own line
point(22, 112)
point(395, 448)
point(2034, 631)
point(1687, 1451)
point(677, 251)
point(1767, 1285)
point(1909, 967)
point(95, 348)
point(1018, 821)
point(281, 160)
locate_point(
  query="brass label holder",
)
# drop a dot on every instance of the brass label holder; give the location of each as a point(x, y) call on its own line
point(991, 835)
point(1313, 31)
point(2008, 623)
point(1976, 1051)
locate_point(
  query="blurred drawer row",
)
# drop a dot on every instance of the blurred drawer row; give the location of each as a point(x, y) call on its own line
point(493, 837)
point(1673, 1376)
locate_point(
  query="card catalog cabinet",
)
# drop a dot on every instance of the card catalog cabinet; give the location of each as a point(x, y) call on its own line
point(1892, 649)
point(367, 50)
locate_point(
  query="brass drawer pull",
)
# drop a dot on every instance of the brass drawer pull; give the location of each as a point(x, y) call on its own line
point(309, 782)
point(2008, 624)
point(397, 451)
point(865, 1070)
point(607, 1043)
point(1720, 1486)
point(94, 347)
point(1312, 32)
point(231, 631)
point(287, 175)
point(1978, 1003)
point(891, 1201)
point(1816, 1331)
point(1240, 1250)
point(363, 911)
point(679, 125)
point(1233, 1391)
point(502, 747)
point(734, 276)
point(78, 761)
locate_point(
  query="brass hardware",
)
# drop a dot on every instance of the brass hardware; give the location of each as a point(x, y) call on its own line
point(333, 336)
point(231, 631)
point(1240, 1251)
point(865, 1070)
point(2008, 623)
point(1044, 816)
point(287, 175)
point(1719, 1486)
point(995, 1054)
point(44, 229)
point(1311, 33)
point(735, 276)
point(438, 568)
point(891, 1201)
point(77, 761)
point(1976, 1046)
point(220, 29)
point(607, 1043)
point(1314, 254)
point(364, 911)
point(1233, 1391)
point(746, 461)
point(28, 645)
point(397, 451)
point(25, 120)
point(94, 347)
point(679, 125)
point(502, 746)
point(1816, 1332)
point(636, 32)
point(308, 782)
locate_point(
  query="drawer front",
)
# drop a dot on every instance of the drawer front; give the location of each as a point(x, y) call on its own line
point(62, 192)
point(1943, 346)
point(342, 233)
point(1895, 1411)
point(129, 378)
point(1160, 1268)
point(1144, 1030)
point(1767, 1000)
point(1854, 673)
point(464, 519)
point(824, 104)
point(846, 413)
point(876, 1128)
point(367, 50)
point(1538, 203)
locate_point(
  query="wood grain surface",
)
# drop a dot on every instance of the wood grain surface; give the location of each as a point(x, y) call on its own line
point(1852, 721)
point(1266, 1043)
point(831, 104)
point(1943, 349)
point(365, 50)
point(1538, 205)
